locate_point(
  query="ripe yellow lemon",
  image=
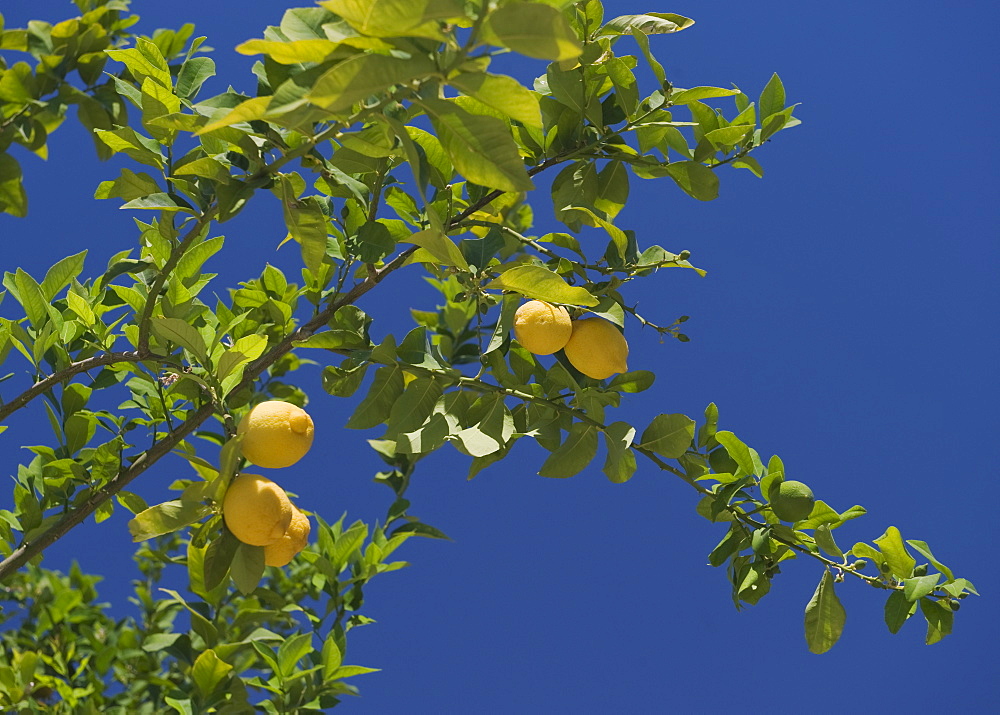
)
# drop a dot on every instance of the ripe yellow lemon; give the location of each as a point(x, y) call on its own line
point(597, 348)
point(275, 434)
point(256, 510)
point(793, 501)
point(295, 539)
point(542, 328)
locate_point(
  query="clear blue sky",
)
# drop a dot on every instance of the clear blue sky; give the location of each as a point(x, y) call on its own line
point(847, 323)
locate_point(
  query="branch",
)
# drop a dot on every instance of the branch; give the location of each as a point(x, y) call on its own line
point(67, 372)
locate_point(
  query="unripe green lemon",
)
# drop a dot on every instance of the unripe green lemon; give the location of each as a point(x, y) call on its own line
point(597, 348)
point(542, 328)
point(256, 510)
point(275, 434)
point(294, 540)
point(793, 501)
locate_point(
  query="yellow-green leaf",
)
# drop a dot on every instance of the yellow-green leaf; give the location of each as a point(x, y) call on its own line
point(542, 284)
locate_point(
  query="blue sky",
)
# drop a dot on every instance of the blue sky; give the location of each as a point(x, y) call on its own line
point(847, 323)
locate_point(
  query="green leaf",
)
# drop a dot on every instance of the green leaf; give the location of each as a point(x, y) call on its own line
point(481, 148)
point(166, 518)
point(634, 381)
point(619, 466)
point(643, 41)
point(306, 224)
point(31, 298)
point(193, 74)
point(772, 99)
point(13, 199)
point(900, 562)
point(385, 389)
point(542, 284)
point(439, 246)
point(218, 559)
point(136, 146)
point(144, 60)
point(349, 671)
point(396, 18)
point(350, 81)
point(330, 657)
point(825, 541)
point(534, 30)
point(917, 587)
point(247, 111)
point(291, 651)
point(413, 407)
point(290, 53)
point(158, 202)
point(247, 567)
point(696, 179)
point(650, 23)
point(668, 435)
point(208, 671)
point(503, 93)
point(897, 611)
point(626, 87)
point(921, 548)
point(175, 330)
point(751, 164)
point(825, 616)
point(574, 454)
point(683, 96)
point(128, 186)
point(738, 451)
point(939, 620)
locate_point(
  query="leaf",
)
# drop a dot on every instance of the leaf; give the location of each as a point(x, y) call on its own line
point(128, 186)
point(306, 224)
point(917, 587)
point(825, 616)
point(247, 567)
point(542, 284)
point(350, 81)
point(440, 246)
point(620, 463)
point(247, 111)
point(897, 611)
point(31, 298)
point(772, 99)
point(218, 559)
point(503, 93)
point(696, 179)
point(534, 30)
point(13, 199)
point(668, 435)
point(574, 454)
point(650, 23)
point(683, 96)
point(825, 541)
point(382, 395)
point(290, 53)
point(158, 202)
point(395, 18)
point(166, 518)
point(481, 148)
point(349, 671)
point(175, 330)
point(739, 452)
point(291, 651)
point(144, 60)
point(193, 74)
point(632, 382)
point(939, 620)
point(899, 560)
point(921, 548)
point(208, 671)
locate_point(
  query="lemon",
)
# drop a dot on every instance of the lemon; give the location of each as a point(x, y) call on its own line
point(597, 348)
point(295, 539)
point(542, 328)
point(793, 501)
point(275, 434)
point(256, 510)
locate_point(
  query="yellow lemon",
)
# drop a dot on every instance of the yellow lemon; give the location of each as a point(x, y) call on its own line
point(295, 539)
point(793, 501)
point(276, 434)
point(256, 510)
point(542, 328)
point(597, 348)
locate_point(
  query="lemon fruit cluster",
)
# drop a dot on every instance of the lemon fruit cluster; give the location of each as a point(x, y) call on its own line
point(792, 501)
point(597, 348)
point(542, 328)
point(257, 511)
point(276, 434)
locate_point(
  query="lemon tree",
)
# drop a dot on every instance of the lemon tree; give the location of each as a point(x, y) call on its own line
point(392, 138)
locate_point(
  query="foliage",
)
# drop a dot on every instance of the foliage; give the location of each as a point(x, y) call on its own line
point(388, 143)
